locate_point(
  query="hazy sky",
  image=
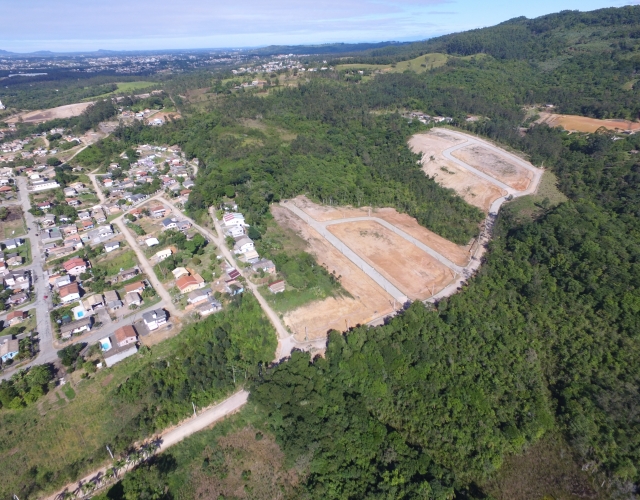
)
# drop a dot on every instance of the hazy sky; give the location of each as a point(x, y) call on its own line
point(75, 25)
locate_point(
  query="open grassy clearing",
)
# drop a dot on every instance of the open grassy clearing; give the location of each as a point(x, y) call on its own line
point(13, 226)
point(532, 206)
point(547, 470)
point(125, 87)
point(72, 423)
point(419, 64)
point(114, 261)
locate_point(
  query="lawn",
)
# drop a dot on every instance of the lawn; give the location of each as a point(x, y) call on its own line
point(125, 87)
point(26, 326)
point(25, 251)
point(13, 225)
point(112, 262)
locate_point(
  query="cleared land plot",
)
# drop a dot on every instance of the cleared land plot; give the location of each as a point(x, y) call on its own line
point(455, 253)
point(127, 87)
point(419, 64)
point(13, 225)
point(368, 301)
point(409, 268)
point(498, 167)
point(67, 111)
point(586, 124)
point(473, 189)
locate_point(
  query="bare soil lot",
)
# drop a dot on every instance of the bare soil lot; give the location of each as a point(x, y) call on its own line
point(585, 124)
point(495, 165)
point(368, 301)
point(473, 189)
point(409, 268)
point(67, 111)
point(455, 253)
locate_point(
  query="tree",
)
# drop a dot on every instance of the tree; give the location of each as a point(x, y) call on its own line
point(53, 161)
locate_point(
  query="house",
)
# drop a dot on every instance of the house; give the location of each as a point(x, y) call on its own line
point(178, 272)
point(94, 302)
point(169, 223)
point(132, 298)
point(70, 192)
point(235, 231)
point(84, 215)
point(74, 202)
point(125, 335)
point(113, 355)
point(188, 184)
point(277, 286)
point(112, 300)
point(188, 284)
point(62, 281)
point(87, 224)
point(69, 229)
point(158, 211)
point(13, 243)
point(110, 247)
point(75, 266)
point(183, 225)
point(49, 220)
point(69, 293)
point(18, 298)
point(127, 274)
point(234, 289)
point(98, 215)
point(209, 307)
point(251, 256)
point(198, 296)
point(152, 242)
point(50, 235)
point(5, 189)
point(13, 259)
point(138, 286)
point(233, 219)
point(44, 206)
point(42, 185)
point(265, 265)
point(81, 325)
point(154, 319)
point(163, 254)
point(15, 317)
point(233, 274)
point(9, 349)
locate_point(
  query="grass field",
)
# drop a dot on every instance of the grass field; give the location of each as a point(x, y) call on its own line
point(419, 64)
point(13, 228)
point(114, 261)
point(529, 207)
point(125, 87)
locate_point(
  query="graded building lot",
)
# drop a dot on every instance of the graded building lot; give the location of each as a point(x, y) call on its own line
point(455, 253)
point(473, 189)
point(409, 268)
point(67, 111)
point(498, 167)
point(586, 124)
point(367, 302)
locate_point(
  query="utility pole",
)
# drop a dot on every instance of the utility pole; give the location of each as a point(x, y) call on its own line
point(109, 450)
point(194, 408)
point(305, 334)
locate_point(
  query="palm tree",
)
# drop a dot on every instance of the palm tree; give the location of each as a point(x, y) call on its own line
point(109, 474)
point(117, 465)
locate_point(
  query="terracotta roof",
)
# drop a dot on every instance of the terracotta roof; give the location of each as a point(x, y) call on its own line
point(134, 287)
point(69, 289)
point(71, 263)
point(186, 281)
point(124, 333)
point(16, 314)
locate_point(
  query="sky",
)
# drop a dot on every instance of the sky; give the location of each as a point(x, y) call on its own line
point(83, 25)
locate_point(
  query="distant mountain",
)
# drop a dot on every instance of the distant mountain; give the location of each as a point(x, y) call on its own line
point(329, 48)
point(566, 33)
